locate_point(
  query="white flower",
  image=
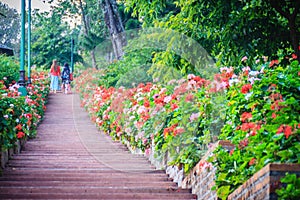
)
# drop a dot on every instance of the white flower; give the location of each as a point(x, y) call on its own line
point(248, 95)
point(163, 90)
point(5, 116)
point(140, 99)
point(141, 110)
point(167, 99)
point(128, 130)
point(11, 105)
point(233, 81)
point(191, 76)
point(253, 73)
point(132, 118)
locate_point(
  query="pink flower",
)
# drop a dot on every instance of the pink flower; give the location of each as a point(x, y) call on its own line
point(147, 151)
point(194, 116)
point(178, 131)
point(244, 58)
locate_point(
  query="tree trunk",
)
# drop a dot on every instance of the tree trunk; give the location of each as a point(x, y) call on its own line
point(86, 32)
point(94, 63)
point(115, 26)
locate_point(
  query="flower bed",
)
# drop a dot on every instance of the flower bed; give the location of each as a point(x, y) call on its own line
point(256, 109)
point(19, 116)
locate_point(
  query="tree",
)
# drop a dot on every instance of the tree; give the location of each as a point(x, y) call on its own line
point(114, 24)
point(51, 38)
point(9, 26)
point(93, 27)
point(228, 30)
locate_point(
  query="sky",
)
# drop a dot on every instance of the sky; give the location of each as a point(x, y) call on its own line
point(34, 4)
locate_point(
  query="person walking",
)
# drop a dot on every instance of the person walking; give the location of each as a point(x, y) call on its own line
point(65, 77)
point(55, 73)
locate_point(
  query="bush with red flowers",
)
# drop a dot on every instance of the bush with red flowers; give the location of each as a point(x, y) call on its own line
point(20, 115)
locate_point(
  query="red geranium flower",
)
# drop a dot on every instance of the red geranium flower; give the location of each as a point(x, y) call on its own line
point(274, 62)
point(252, 161)
point(146, 103)
point(174, 106)
point(246, 116)
point(19, 127)
point(20, 134)
point(245, 89)
point(286, 129)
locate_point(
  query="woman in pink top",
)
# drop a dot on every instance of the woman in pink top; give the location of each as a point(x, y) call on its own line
point(55, 74)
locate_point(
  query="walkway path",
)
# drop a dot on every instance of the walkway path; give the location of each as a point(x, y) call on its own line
point(70, 159)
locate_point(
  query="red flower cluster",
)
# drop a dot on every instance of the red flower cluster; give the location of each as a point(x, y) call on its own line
point(273, 62)
point(243, 143)
point(286, 129)
point(245, 89)
point(170, 130)
point(20, 134)
point(250, 127)
point(246, 116)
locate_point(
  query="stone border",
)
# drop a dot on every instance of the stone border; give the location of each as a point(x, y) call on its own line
point(201, 178)
point(8, 154)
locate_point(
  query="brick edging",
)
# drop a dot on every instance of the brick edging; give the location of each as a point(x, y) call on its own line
point(262, 184)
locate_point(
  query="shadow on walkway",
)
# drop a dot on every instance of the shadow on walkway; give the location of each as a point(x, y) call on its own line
point(71, 159)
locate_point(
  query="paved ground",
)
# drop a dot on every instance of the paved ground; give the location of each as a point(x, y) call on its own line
point(71, 159)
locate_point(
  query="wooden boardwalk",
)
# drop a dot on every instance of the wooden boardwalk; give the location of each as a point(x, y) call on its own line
point(71, 159)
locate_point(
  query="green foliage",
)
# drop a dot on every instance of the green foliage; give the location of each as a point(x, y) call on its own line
point(263, 123)
point(291, 190)
point(9, 70)
point(228, 31)
point(10, 111)
point(94, 30)
point(51, 38)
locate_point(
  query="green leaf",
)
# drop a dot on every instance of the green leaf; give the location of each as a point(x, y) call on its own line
point(285, 154)
point(289, 178)
point(223, 192)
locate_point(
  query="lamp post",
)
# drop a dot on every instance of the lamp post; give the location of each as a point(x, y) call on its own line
point(21, 81)
point(29, 43)
point(72, 54)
